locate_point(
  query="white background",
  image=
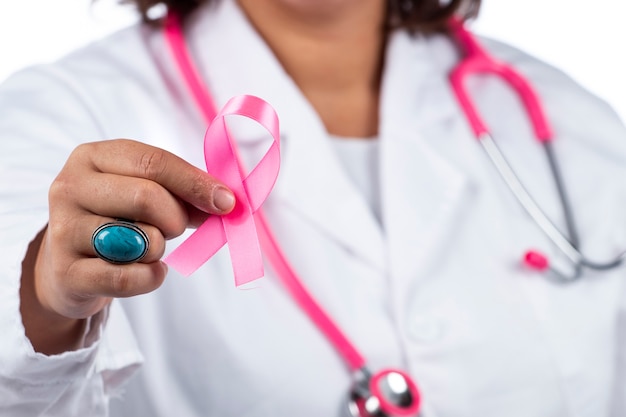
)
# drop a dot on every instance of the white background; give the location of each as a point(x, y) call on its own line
point(584, 38)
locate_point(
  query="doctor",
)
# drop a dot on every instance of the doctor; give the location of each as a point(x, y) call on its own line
point(385, 205)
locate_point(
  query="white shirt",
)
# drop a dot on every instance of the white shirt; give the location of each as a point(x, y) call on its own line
point(439, 294)
point(359, 158)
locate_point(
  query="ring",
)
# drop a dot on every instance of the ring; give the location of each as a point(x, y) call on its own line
point(120, 242)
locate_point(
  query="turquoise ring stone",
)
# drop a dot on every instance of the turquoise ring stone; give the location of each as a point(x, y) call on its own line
point(120, 242)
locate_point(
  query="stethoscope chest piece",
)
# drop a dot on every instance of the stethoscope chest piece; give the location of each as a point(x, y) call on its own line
point(388, 393)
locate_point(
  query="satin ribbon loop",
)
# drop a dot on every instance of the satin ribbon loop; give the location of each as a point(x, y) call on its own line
point(237, 228)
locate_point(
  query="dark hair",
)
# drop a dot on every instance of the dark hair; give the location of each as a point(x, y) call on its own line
point(415, 15)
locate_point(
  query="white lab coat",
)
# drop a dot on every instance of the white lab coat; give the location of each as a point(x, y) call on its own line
point(435, 289)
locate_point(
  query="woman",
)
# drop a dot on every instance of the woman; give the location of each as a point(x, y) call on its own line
point(385, 206)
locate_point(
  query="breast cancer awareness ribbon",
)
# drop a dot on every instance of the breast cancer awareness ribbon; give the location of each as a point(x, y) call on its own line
point(237, 228)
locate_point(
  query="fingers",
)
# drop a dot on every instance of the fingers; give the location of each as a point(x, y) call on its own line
point(92, 277)
point(100, 182)
point(78, 286)
point(80, 241)
point(135, 159)
point(136, 199)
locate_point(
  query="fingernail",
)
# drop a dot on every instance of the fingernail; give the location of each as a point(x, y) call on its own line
point(223, 199)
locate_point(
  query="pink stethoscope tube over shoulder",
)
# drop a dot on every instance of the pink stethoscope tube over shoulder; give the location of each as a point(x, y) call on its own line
point(392, 392)
point(476, 61)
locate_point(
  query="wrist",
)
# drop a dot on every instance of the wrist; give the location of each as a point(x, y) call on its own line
point(48, 331)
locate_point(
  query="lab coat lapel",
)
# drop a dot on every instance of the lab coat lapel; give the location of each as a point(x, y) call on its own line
point(311, 180)
point(315, 184)
point(423, 190)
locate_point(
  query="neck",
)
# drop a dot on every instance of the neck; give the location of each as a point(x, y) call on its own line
point(333, 53)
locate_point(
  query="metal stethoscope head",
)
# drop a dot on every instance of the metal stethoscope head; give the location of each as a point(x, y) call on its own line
point(388, 393)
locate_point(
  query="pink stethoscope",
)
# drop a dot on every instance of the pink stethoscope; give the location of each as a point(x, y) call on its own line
point(392, 392)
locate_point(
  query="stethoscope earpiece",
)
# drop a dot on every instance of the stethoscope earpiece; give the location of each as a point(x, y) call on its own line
point(388, 393)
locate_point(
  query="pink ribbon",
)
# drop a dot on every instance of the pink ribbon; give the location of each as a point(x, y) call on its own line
point(238, 228)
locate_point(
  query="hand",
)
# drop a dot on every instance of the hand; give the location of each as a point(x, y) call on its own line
point(100, 182)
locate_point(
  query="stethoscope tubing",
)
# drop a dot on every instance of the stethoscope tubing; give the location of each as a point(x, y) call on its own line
point(525, 199)
point(176, 44)
point(567, 246)
point(475, 61)
point(305, 301)
point(478, 61)
point(366, 383)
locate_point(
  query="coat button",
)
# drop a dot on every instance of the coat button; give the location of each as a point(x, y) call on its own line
point(423, 329)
